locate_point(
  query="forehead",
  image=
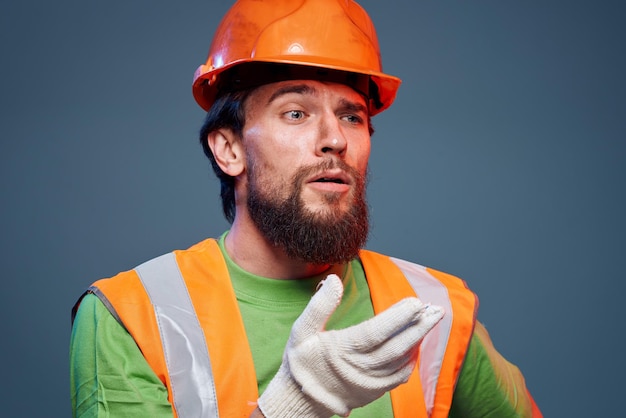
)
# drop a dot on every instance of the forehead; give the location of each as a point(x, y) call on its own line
point(323, 90)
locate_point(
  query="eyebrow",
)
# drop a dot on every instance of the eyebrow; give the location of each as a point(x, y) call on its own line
point(296, 88)
point(353, 106)
point(306, 89)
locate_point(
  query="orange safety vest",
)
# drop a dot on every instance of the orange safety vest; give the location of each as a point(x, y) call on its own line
point(182, 312)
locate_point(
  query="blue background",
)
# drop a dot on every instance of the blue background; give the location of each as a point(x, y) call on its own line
point(502, 161)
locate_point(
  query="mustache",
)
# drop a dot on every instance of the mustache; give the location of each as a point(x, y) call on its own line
point(329, 164)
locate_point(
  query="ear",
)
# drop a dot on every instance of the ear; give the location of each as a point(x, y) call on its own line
point(227, 150)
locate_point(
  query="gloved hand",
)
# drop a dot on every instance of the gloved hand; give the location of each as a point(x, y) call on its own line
point(324, 373)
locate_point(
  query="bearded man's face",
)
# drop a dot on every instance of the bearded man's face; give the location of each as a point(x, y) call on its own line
point(307, 146)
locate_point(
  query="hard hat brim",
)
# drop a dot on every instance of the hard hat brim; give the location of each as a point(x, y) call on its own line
point(209, 82)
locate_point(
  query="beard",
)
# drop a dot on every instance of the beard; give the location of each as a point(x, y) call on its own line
point(329, 236)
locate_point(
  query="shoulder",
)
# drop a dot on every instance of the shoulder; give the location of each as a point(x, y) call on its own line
point(91, 309)
point(127, 287)
point(204, 249)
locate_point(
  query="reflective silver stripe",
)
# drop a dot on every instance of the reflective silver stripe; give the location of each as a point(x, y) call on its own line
point(432, 350)
point(184, 345)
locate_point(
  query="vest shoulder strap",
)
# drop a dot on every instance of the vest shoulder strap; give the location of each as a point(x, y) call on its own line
point(182, 338)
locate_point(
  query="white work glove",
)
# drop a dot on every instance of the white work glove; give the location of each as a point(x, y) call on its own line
point(327, 373)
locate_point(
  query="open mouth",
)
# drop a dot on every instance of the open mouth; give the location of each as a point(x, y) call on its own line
point(334, 176)
point(330, 180)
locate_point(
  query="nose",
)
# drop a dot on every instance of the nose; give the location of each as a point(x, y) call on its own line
point(331, 138)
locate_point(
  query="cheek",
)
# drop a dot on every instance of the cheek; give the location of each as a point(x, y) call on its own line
point(361, 154)
point(273, 165)
point(258, 148)
point(274, 142)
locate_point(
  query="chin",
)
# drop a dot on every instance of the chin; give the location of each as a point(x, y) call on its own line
point(325, 212)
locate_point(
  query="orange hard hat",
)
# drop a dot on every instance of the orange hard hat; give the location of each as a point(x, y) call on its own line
point(261, 41)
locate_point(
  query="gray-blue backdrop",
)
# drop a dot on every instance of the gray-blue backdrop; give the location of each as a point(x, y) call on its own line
point(502, 161)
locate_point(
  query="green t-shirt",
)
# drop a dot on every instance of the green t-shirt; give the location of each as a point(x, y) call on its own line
point(110, 377)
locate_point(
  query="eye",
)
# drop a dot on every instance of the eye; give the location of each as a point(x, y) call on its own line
point(353, 119)
point(294, 114)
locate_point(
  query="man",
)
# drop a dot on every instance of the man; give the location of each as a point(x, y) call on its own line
point(286, 304)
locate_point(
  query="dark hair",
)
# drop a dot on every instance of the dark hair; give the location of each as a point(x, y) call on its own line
point(226, 112)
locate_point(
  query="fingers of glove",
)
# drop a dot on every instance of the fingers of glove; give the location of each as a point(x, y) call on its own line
point(389, 356)
point(403, 341)
point(403, 344)
point(429, 317)
point(383, 326)
point(393, 352)
point(319, 309)
point(402, 348)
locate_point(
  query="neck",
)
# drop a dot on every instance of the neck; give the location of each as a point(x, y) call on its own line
point(251, 251)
